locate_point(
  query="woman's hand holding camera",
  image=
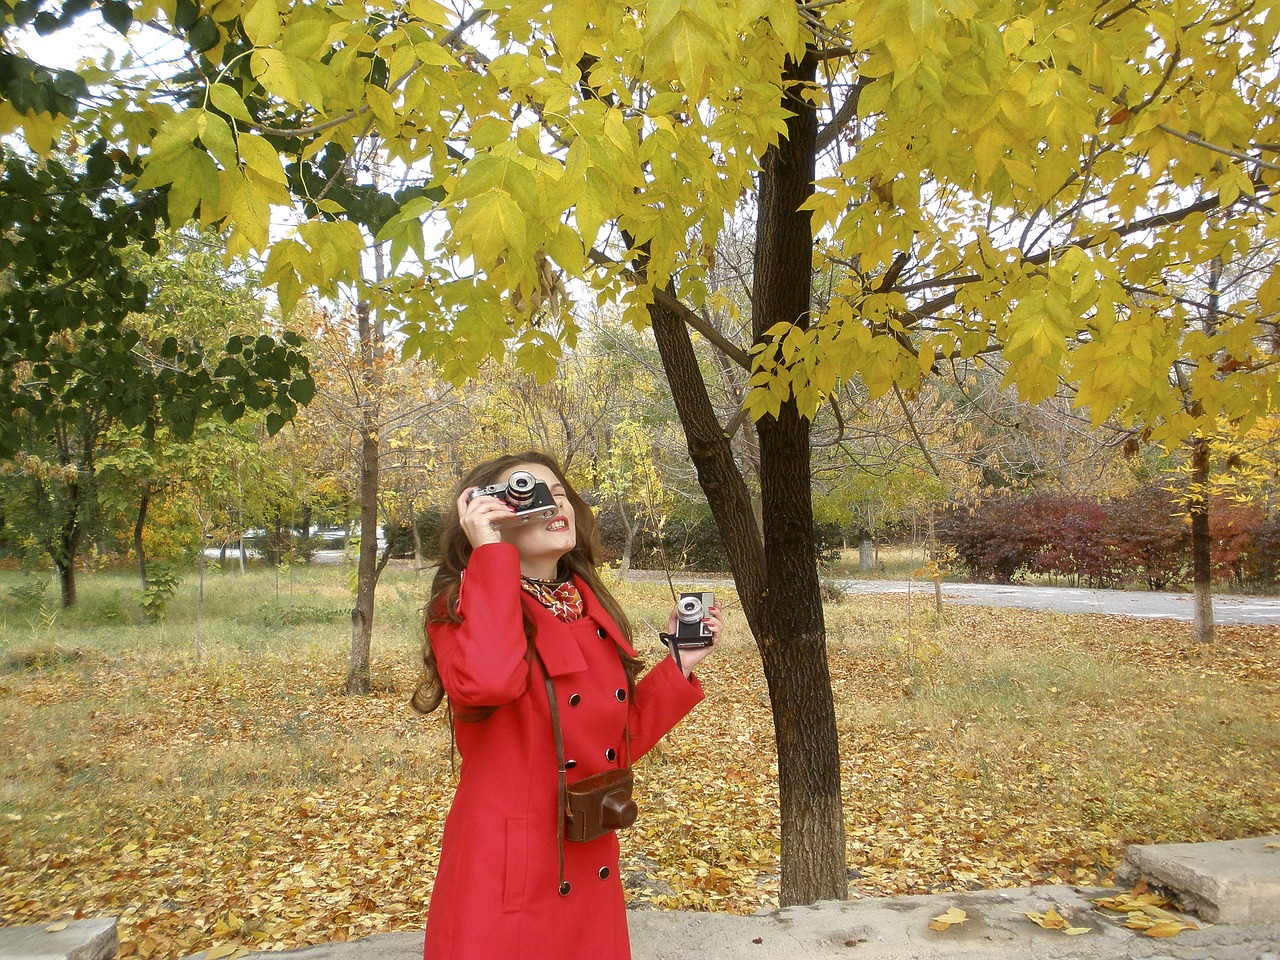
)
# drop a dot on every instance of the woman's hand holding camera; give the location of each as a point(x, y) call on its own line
point(688, 657)
point(477, 516)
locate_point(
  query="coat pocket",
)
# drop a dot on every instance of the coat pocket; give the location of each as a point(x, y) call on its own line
point(515, 864)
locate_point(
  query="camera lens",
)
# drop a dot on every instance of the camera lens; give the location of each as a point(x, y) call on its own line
point(520, 487)
point(689, 610)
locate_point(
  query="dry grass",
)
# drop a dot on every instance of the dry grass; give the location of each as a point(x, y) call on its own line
point(245, 800)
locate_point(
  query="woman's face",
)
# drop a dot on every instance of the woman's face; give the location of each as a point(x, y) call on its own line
point(542, 543)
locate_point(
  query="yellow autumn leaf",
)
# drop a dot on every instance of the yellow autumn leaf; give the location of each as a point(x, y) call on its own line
point(55, 927)
point(1166, 928)
point(954, 915)
point(1050, 919)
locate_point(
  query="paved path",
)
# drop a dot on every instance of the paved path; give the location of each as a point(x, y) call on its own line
point(1233, 610)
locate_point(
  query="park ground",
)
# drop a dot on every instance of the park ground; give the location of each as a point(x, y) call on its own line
point(227, 795)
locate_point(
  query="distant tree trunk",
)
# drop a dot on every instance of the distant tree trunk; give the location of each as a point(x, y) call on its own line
point(417, 538)
point(866, 552)
point(777, 574)
point(1201, 556)
point(65, 546)
point(631, 527)
point(66, 580)
point(1201, 561)
point(367, 566)
point(140, 550)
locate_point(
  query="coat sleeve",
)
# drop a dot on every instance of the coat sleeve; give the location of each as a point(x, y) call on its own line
point(482, 660)
point(663, 698)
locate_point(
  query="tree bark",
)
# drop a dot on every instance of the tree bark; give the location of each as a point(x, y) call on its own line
point(866, 552)
point(1201, 556)
point(66, 546)
point(367, 566)
point(777, 575)
point(140, 550)
point(1201, 559)
point(632, 528)
point(793, 640)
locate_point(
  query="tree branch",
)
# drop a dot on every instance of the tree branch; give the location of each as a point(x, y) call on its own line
point(848, 110)
point(1197, 141)
point(672, 303)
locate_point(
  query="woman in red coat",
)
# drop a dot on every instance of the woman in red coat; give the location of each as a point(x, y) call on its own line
point(512, 603)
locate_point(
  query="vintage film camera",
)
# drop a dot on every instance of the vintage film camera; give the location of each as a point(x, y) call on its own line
point(529, 495)
point(690, 609)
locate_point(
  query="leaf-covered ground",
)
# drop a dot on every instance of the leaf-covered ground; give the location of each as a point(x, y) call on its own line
point(246, 802)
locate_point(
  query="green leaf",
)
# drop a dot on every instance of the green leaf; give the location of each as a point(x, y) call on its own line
point(204, 34)
point(118, 15)
point(261, 22)
point(227, 99)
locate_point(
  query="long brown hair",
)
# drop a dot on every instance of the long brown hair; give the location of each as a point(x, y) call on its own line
point(455, 553)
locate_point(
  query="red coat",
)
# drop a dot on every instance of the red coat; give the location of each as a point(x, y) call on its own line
point(496, 895)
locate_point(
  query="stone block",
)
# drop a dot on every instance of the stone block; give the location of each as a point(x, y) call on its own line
point(1228, 881)
point(91, 939)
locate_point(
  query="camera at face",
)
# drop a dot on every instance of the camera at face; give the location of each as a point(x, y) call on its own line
point(530, 497)
point(691, 608)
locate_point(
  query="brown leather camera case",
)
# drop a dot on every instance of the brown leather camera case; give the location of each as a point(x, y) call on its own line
point(599, 804)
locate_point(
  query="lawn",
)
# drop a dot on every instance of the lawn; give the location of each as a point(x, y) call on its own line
point(241, 801)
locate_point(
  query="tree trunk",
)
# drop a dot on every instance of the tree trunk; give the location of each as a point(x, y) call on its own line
point(866, 552)
point(66, 581)
point(1201, 563)
point(632, 527)
point(66, 546)
point(417, 539)
point(777, 575)
point(367, 567)
point(793, 642)
point(140, 550)
point(1201, 558)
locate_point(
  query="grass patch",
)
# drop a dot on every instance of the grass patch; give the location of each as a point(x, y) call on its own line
point(241, 798)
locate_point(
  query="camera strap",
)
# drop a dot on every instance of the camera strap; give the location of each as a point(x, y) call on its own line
point(562, 791)
point(669, 640)
point(562, 802)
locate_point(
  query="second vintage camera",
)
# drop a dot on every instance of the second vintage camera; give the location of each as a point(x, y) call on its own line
point(531, 497)
point(690, 609)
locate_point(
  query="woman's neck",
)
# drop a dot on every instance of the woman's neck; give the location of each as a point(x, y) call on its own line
point(538, 568)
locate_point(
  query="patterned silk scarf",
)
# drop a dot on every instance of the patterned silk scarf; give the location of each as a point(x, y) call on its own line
point(561, 598)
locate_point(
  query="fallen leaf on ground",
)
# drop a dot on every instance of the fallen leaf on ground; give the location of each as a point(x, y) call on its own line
point(1151, 927)
point(954, 915)
point(1146, 912)
point(1052, 920)
point(55, 927)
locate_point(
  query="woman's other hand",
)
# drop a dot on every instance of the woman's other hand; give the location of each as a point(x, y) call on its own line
point(690, 657)
point(477, 517)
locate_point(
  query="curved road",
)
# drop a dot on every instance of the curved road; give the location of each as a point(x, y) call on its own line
point(1227, 609)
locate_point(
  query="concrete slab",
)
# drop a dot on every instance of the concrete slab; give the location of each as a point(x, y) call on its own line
point(1228, 881)
point(894, 928)
point(90, 939)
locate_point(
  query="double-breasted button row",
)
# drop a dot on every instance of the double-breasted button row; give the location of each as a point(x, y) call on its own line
point(565, 887)
point(620, 694)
